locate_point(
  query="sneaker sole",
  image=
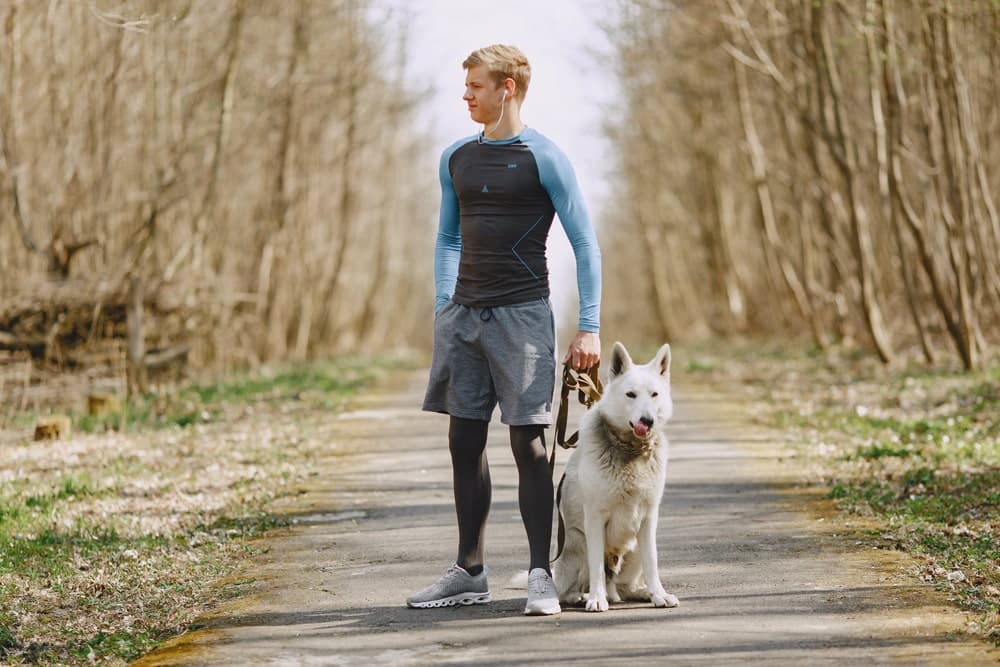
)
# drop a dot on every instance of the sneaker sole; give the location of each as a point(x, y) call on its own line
point(464, 599)
point(542, 609)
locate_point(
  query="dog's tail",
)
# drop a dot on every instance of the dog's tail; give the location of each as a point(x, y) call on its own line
point(519, 581)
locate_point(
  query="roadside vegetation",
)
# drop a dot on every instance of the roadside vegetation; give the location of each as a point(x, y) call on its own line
point(915, 449)
point(119, 537)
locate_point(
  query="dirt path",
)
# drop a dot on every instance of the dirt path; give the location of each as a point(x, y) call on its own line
point(760, 575)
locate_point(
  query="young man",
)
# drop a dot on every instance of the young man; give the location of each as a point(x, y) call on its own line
point(494, 338)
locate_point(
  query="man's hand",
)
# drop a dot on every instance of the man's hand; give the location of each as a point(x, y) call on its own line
point(584, 351)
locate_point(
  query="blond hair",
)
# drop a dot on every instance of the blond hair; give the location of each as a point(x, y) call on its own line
point(503, 62)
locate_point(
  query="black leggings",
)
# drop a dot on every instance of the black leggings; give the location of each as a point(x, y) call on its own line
point(473, 489)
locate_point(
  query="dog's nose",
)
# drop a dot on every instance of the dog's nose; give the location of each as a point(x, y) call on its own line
point(647, 421)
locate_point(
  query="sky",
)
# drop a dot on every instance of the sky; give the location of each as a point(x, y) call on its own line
point(570, 91)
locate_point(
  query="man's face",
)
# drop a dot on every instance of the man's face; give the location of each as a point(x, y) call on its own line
point(482, 95)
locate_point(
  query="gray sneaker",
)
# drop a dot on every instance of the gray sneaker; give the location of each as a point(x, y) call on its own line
point(456, 587)
point(542, 597)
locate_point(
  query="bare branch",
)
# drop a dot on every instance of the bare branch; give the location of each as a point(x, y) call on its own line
point(120, 22)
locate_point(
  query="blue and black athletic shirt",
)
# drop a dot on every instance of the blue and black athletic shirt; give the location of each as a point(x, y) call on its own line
point(498, 198)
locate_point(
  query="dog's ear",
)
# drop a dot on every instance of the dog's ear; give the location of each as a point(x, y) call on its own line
point(661, 362)
point(620, 361)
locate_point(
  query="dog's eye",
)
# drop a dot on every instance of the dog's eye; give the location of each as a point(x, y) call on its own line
point(630, 394)
point(655, 394)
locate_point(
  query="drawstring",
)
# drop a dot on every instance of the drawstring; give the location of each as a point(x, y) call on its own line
point(486, 314)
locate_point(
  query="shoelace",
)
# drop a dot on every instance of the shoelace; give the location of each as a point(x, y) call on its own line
point(537, 585)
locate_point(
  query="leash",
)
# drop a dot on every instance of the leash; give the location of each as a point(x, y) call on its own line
point(589, 388)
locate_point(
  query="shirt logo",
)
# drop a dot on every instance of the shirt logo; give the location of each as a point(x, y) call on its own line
point(512, 165)
point(485, 189)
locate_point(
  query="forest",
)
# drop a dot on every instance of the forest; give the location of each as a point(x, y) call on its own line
point(205, 163)
point(808, 170)
point(823, 170)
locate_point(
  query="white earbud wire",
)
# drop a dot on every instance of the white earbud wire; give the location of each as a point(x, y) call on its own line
point(503, 102)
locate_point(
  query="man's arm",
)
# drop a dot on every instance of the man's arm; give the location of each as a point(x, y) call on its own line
point(559, 181)
point(448, 248)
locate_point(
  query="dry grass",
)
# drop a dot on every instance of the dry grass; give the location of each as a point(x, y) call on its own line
point(916, 449)
point(110, 542)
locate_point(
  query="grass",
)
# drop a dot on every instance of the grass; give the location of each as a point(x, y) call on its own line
point(324, 384)
point(916, 449)
point(116, 539)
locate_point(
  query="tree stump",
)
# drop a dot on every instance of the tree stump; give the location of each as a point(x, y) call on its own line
point(53, 427)
point(99, 404)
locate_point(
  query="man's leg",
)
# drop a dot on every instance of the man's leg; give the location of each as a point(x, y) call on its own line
point(465, 582)
point(473, 489)
point(534, 491)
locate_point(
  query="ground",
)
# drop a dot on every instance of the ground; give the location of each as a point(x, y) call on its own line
point(764, 567)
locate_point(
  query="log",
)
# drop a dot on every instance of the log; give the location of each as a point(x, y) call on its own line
point(168, 357)
point(12, 343)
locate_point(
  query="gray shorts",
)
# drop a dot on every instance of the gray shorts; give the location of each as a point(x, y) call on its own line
point(483, 356)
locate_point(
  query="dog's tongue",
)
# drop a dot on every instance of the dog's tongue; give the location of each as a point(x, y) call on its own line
point(641, 429)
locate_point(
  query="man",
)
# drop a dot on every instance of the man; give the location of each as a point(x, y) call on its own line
point(494, 337)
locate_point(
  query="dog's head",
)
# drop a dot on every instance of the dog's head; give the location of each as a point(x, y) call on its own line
point(637, 397)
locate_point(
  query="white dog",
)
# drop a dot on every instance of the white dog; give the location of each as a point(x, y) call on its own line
point(611, 490)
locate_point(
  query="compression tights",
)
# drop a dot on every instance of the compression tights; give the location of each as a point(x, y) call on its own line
point(473, 489)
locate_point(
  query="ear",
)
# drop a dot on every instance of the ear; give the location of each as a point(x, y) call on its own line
point(620, 361)
point(661, 362)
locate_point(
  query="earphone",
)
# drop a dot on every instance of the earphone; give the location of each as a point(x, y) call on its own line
point(503, 101)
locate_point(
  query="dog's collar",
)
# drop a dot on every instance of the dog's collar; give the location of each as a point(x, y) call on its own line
point(632, 446)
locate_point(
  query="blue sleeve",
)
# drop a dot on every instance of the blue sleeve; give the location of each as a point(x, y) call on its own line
point(559, 180)
point(448, 248)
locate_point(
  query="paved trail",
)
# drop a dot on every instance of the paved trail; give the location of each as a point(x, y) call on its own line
point(760, 579)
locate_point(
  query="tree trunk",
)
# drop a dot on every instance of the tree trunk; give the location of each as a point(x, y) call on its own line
point(136, 384)
point(8, 130)
point(845, 154)
point(765, 206)
point(887, 132)
point(948, 164)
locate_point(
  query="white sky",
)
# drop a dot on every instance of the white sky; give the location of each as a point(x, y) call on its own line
point(569, 92)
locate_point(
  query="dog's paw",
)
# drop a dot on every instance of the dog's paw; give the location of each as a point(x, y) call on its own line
point(597, 603)
point(613, 595)
point(664, 599)
point(573, 600)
